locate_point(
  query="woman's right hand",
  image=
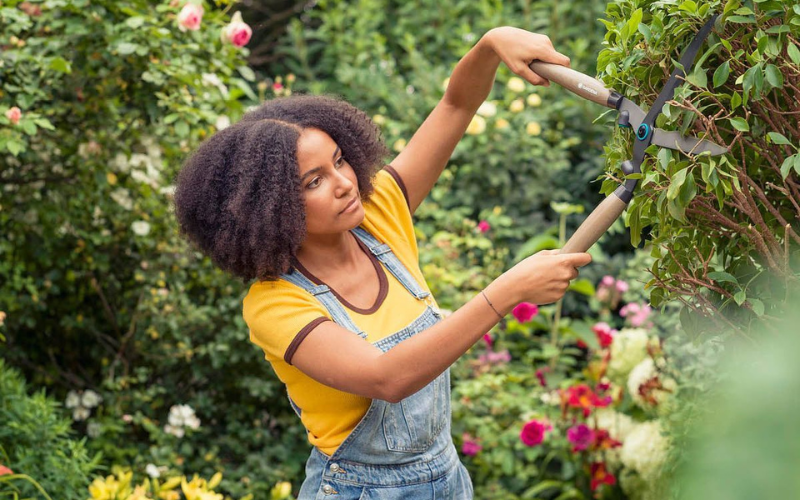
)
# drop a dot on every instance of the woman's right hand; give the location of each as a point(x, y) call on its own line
point(544, 277)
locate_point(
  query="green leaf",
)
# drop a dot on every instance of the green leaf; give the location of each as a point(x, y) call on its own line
point(777, 138)
point(757, 305)
point(698, 77)
point(247, 73)
point(739, 297)
point(60, 64)
point(740, 124)
point(721, 74)
point(794, 53)
point(736, 100)
point(774, 76)
point(135, 22)
point(566, 208)
point(44, 123)
point(797, 164)
point(544, 485)
point(723, 276)
point(675, 184)
point(586, 334)
point(582, 286)
point(536, 244)
point(787, 165)
point(126, 48)
point(182, 129)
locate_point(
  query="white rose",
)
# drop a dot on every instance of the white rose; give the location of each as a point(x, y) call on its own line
point(73, 400)
point(90, 399)
point(152, 471)
point(140, 227)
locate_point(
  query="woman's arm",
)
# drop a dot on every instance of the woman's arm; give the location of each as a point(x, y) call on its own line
point(340, 359)
point(420, 164)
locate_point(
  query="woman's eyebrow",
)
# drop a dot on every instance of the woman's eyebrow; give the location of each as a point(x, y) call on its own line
point(317, 169)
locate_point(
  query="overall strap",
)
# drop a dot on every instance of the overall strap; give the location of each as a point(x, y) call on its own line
point(391, 262)
point(326, 297)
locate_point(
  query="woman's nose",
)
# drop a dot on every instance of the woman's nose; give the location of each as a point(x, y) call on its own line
point(343, 183)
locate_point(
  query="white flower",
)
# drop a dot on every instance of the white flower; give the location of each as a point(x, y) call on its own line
point(222, 122)
point(534, 100)
point(152, 471)
point(123, 198)
point(120, 163)
point(73, 400)
point(167, 190)
point(628, 350)
point(487, 109)
point(516, 106)
point(94, 429)
point(643, 372)
point(175, 431)
point(192, 422)
point(645, 449)
point(516, 84)
point(213, 80)
point(80, 413)
point(90, 399)
point(182, 415)
point(140, 227)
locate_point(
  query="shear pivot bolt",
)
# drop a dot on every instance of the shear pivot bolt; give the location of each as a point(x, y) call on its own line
point(643, 132)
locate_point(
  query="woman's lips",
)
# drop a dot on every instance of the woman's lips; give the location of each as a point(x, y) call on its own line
point(350, 206)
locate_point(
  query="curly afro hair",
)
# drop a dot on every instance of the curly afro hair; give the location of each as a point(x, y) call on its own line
point(238, 196)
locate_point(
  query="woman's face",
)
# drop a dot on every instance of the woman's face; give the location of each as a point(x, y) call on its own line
point(329, 185)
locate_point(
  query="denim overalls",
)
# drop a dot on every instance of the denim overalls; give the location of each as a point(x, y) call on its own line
point(398, 450)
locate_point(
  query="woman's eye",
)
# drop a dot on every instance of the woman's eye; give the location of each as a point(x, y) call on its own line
point(340, 161)
point(314, 183)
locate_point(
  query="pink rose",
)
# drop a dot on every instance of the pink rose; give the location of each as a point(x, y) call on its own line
point(484, 226)
point(581, 436)
point(190, 16)
point(487, 339)
point(470, 447)
point(607, 281)
point(524, 311)
point(237, 32)
point(622, 286)
point(14, 114)
point(533, 432)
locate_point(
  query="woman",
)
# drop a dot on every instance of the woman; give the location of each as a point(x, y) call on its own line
point(289, 196)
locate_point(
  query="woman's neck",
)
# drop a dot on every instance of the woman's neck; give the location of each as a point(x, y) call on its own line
point(329, 253)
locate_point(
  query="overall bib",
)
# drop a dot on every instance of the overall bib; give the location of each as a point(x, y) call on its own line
point(398, 450)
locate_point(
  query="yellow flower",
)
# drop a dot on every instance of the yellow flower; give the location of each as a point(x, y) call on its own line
point(534, 100)
point(111, 178)
point(533, 128)
point(476, 126)
point(516, 106)
point(104, 489)
point(445, 83)
point(281, 490)
point(501, 124)
point(487, 109)
point(215, 480)
point(138, 494)
point(379, 119)
point(399, 144)
point(516, 84)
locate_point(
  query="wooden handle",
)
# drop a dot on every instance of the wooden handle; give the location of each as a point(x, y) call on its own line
point(595, 225)
point(576, 82)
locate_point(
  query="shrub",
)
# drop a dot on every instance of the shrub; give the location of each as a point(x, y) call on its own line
point(723, 228)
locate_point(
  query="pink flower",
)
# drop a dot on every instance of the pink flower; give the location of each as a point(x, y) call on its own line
point(622, 286)
point(5, 470)
point(607, 281)
point(14, 114)
point(190, 16)
point(637, 314)
point(487, 339)
point(483, 226)
point(540, 376)
point(533, 432)
point(524, 311)
point(127, 418)
point(581, 436)
point(499, 357)
point(470, 447)
point(237, 32)
point(605, 335)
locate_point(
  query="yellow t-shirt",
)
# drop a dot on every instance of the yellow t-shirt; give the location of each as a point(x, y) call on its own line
point(279, 314)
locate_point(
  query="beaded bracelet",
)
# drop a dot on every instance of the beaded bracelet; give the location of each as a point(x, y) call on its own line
point(491, 305)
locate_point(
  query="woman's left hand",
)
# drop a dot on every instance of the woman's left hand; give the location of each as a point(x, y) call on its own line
point(518, 48)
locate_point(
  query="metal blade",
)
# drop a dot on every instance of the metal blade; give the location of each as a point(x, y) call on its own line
point(686, 145)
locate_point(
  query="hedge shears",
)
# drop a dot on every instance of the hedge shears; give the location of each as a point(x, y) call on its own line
point(630, 116)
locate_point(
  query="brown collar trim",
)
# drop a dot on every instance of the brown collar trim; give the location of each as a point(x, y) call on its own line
point(383, 281)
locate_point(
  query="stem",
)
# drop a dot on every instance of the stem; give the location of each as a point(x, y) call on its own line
point(562, 231)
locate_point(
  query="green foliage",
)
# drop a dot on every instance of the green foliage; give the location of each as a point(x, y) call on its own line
point(99, 290)
point(392, 58)
point(36, 441)
point(719, 227)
